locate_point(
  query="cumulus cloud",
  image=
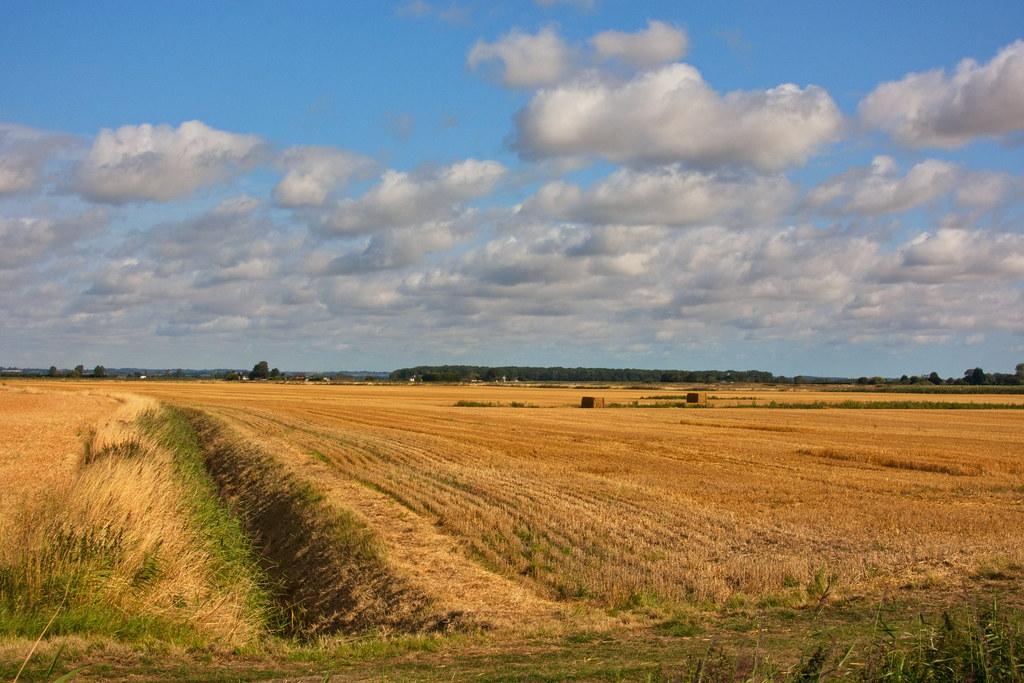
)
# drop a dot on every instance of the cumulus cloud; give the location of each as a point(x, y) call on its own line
point(159, 163)
point(956, 255)
point(933, 109)
point(395, 249)
point(402, 199)
point(666, 196)
point(524, 60)
point(24, 153)
point(988, 189)
point(879, 189)
point(313, 173)
point(671, 115)
point(657, 44)
point(26, 240)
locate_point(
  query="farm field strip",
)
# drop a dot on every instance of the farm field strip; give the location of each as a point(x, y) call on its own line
point(685, 504)
point(43, 432)
point(688, 504)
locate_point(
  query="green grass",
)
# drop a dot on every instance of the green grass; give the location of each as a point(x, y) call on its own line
point(234, 557)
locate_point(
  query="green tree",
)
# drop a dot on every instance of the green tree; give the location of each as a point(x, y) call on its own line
point(934, 378)
point(1020, 370)
point(99, 371)
point(260, 371)
point(78, 371)
point(275, 373)
point(975, 376)
point(54, 372)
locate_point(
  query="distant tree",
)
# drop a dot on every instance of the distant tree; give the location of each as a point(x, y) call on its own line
point(179, 373)
point(232, 377)
point(99, 371)
point(78, 371)
point(54, 372)
point(975, 376)
point(1020, 370)
point(260, 371)
point(934, 378)
point(904, 380)
point(275, 373)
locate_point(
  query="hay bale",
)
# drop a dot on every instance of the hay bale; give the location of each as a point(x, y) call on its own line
point(698, 397)
point(591, 402)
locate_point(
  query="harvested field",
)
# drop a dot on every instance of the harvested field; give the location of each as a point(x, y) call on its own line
point(616, 507)
point(43, 434)
point(436, 532)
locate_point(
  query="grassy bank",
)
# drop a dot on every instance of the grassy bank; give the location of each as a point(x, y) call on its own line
point(981, 641)
point(122, 550)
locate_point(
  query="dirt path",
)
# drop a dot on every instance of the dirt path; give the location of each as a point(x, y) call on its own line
point(432, 560)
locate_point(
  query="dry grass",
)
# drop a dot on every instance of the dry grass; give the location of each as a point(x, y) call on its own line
point(629, 507)
point(111, 545)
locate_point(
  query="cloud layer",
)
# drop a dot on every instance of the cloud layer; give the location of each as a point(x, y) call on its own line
point(646, 213)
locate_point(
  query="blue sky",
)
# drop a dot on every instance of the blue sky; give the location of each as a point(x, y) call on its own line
point(381, 184)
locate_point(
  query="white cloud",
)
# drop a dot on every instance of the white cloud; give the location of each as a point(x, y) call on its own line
point(666, 196)
point(657, 44)
point(24, 153)
point(395, 249)
point(313, 173)
point(988, 189)
point(159, 163)
point(878, 189)
point(955, 255)
point(931, 109)
point(27, 240)
point(671, 115)
point(525, 60)
point(403, 199)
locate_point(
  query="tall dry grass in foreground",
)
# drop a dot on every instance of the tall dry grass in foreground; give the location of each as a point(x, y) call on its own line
point(116, 550)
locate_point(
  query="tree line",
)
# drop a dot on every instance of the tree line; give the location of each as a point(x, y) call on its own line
point(511, 373)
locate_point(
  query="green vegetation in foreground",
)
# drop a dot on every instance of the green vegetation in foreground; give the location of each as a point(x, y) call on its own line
point(234, 557)
point(982, 643)
point(493, 404)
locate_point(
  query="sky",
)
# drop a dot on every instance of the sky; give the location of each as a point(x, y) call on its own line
point(806, 188)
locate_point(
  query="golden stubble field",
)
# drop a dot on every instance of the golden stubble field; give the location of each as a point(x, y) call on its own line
point(42, 435)
point(620, 506)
